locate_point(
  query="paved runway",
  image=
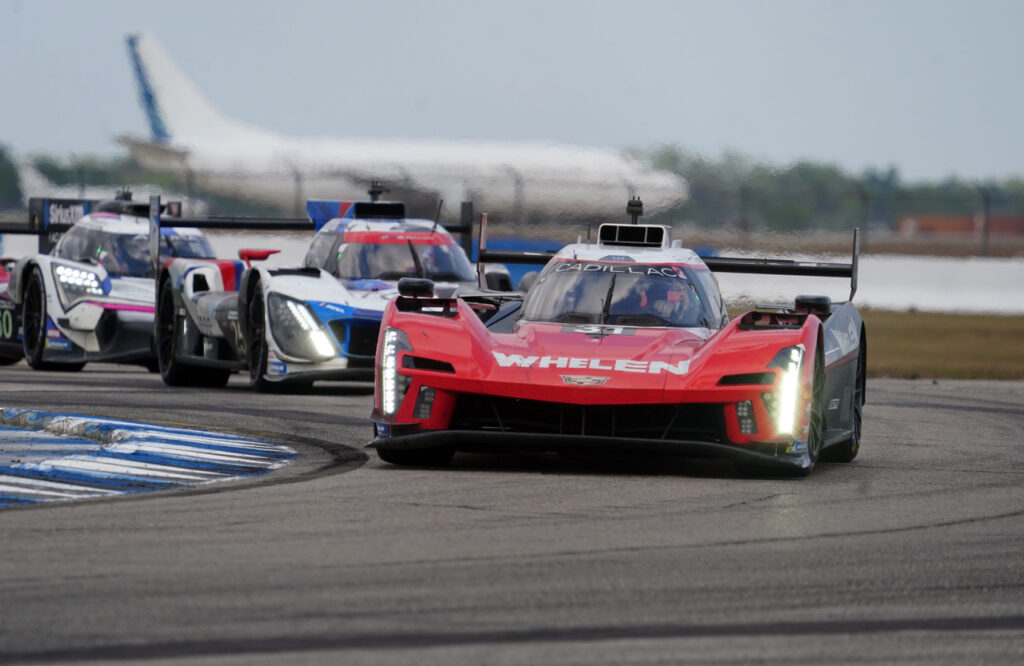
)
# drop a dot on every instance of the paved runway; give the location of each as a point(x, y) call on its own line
point(914, 553)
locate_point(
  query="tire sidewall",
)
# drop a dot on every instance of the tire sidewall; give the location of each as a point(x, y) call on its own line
point(165, 365)
point(256, 349)
point(34, 357)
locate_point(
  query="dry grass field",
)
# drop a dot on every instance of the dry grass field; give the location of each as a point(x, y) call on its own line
point(915, 345)
point(933, 345)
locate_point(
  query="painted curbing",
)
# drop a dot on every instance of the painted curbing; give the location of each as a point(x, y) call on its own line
point(50, 457)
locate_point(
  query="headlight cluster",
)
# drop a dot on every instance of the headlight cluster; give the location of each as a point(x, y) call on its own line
point(76, 283)
point(784, 403)
point(393, 384)
point(297, 330)
point(746, 418)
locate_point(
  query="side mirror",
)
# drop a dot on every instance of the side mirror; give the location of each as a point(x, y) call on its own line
point(819, 305)
point(416, 288)
point(527, 282)
point(248, 255)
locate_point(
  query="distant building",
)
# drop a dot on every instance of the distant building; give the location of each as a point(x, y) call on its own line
point(959, 225)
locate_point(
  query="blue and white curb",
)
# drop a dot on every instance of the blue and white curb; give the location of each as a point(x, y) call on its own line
point(48, 457)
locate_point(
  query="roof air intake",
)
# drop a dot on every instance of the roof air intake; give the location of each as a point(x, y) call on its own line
point(640, 235)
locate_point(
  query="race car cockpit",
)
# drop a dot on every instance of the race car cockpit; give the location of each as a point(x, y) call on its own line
point(124, 254)
point(393, 261)
point(596, 292)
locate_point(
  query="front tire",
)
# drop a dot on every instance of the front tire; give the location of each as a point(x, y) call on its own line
point(847, 451)
point(256, 341)
point(33, 323)
point(33, 320)
point(173, 371)
point(815, 429)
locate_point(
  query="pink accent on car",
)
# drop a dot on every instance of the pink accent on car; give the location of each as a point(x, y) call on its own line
point(123, 306)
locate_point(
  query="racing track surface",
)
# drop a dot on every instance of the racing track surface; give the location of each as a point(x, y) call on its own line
point(912, 554)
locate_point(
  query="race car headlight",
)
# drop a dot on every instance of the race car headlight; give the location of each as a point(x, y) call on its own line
point(74, 284)
point(297, 330)
point(784, 403)
point(393, 384)
point(745, 417)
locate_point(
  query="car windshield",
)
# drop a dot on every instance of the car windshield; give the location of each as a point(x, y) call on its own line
point(392, 261)
point(597, 292)
point(193, 246)
point(127, 254)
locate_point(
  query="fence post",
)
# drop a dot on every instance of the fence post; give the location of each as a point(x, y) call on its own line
point(986, 212)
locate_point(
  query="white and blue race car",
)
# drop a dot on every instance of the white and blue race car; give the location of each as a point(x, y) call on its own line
point(88, 294)
point(292, 326)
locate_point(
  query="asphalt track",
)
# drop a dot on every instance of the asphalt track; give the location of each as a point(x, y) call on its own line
point(913, 554)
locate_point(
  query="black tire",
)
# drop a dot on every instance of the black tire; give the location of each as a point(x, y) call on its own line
point(33, 323)
point(846, 451)
point(256, 341)
point(172, 371)
point(816, 426)
point(436, 457)
point(33, 319)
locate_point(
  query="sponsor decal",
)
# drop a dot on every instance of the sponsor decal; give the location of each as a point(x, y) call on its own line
point(66, 213)
point(6, 324)
point(332, 306)
point(276, 368)
point(635, 269)
point(796, 447)
point(61, 345)
point(845, 341)
point(582, 363)
point(598, 329)
point(584, 380)
point(833, 404)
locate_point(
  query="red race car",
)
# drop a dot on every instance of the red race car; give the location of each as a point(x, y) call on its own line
point(622, 346)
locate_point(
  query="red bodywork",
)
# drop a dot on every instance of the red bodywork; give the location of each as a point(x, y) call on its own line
point(646, 366)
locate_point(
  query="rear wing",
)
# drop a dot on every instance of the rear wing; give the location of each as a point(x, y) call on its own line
point(50, 218)
point(791, 267)
point(522, 257)
point(717, 264)
point(156, 223)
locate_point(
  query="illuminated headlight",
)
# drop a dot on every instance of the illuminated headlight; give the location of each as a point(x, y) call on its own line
point(745, 417)
point(297, 330)
point(74, 284)
point(784, 403)
point(393, 384)
point(424, 403)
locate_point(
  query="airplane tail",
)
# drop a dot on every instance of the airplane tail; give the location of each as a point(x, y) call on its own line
point(176, 110)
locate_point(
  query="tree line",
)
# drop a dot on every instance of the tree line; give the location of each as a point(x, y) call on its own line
point(737, 192)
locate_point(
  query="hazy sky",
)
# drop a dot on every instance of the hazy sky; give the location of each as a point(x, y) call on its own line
point(932, 87)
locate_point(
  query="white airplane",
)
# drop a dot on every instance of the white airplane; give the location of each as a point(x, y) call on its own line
point(516, 181)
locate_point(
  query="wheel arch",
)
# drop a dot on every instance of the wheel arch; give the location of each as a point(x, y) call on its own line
point(20, 276)
point(863, 379)
point(251, 280)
